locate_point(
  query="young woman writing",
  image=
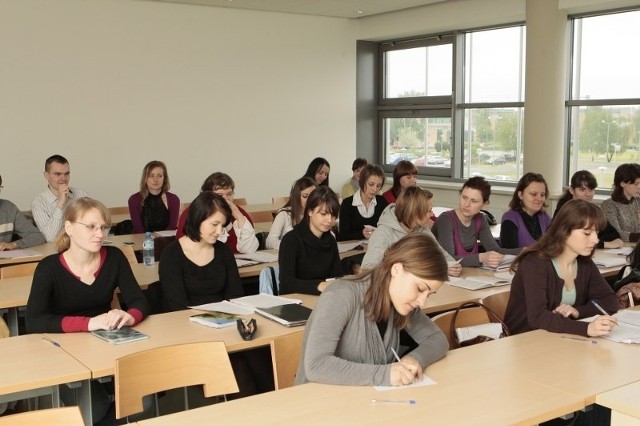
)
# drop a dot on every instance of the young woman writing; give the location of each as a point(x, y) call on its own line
point(355, 327)
point(556, 281)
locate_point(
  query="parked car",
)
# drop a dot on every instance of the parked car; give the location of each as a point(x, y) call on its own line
point(496, 160)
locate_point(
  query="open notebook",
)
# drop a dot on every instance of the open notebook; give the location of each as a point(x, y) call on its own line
point(478, 282)
point(504, 265)
point(247, 305)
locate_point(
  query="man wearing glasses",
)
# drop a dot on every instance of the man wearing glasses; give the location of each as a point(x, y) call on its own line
point(13, 224)
point(48, 207)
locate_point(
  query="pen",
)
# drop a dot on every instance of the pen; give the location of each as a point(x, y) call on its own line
point(51, 341)
point(394, 401)
point(395, 354)
point(599, 308)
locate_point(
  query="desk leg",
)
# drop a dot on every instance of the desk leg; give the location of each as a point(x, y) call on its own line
point(84, 401)
point(12, 319)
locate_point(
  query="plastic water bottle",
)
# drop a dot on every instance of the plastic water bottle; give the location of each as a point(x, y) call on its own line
point(148, 255)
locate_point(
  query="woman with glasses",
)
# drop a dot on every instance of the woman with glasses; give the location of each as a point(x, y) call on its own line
point(154, 208)
point(405, 175)
point(582, 187)
point(73, 289)
point(623, 208)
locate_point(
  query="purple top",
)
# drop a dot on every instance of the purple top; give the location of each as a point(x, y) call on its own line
point(524, 237)
point(135, 211)
point(457, 243)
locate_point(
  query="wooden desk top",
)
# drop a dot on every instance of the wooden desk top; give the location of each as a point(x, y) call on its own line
point(164, 329)
point(623, 399)
point(46, 365)
point(488, 397)
point(573, 366)
point(43, 251)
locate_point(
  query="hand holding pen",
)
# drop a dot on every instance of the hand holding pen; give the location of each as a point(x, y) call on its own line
point(603, 324)
point(405, 371)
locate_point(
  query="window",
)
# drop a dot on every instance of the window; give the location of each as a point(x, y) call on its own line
point(604, 98)
point(453, 103)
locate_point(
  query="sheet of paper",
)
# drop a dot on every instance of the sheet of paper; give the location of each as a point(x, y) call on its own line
point(224, 306)
point(264, 301)
point(259, 256)
point(348, 246)
point(13, 254)
point(426, 381)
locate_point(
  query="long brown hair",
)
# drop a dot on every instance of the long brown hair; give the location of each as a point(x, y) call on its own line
point(419, 255)
point(575, 214)
point(75, 211)
point(412, 206)
point(294, 205)
point(144, 191)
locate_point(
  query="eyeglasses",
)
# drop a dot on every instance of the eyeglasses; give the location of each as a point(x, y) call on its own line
point(92, 227)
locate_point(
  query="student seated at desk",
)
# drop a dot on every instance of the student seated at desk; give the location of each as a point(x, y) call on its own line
point(72, 290)
point(198, 268)
point(582, 187)
point(459, 230)
point(405, 175)
point(12, 224)
point(350, 188)
point(622, 209)
point(318, 170)
point(239, 234)
point(556, 281)
point(359, 213)
point(526, 220)
point(411, 214)
point(154, 208)
point(309, 254)
point(356, 323)
point(291, 213)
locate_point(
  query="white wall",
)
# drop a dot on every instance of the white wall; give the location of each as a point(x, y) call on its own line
point(112, 84)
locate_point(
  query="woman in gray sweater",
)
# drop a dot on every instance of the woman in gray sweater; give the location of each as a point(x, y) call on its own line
point(355, 327)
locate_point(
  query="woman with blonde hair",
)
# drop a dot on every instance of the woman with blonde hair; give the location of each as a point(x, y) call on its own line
point(154, 208)
point(73, 289)
point(353, 333)
point(411, 214)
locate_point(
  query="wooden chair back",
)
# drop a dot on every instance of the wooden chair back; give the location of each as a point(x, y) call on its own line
point(240, 201)
point(466, 318)
point(285, 356)
point(169, 367)
point(118, 210)
point(261, 216)
point(279, 201)
point(19, 270)
point(63, 416)
point(497, 303)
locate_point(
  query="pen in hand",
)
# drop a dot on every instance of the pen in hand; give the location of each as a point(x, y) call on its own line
point(395, 354)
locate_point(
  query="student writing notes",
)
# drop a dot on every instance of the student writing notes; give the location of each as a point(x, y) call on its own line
point(556, 281)
point(355, 326)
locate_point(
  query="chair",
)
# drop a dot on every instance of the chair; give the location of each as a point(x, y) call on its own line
point(279, 201)
point(64, 416)
point(261, 216)
point(169, 367)
point(19, 270)
point(118, 210)
point(466, 318)
point(240, 201)
point(497, 303)
point(285, 356)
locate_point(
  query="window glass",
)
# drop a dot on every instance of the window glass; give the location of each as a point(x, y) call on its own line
point(420, 71)
point(425, 141)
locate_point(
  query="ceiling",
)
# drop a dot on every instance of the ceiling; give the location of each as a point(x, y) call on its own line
point(333, 8)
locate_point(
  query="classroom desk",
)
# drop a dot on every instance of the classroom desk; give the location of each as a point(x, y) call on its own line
point(163, 330)
point(43, 251)
point(14, 292)
point(40, 373)
point(579, 367)
point(486, 397)
point(624, 404)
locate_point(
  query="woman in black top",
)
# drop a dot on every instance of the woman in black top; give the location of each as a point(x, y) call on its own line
point(309, 252)
point(154, 208)
point(359, 213)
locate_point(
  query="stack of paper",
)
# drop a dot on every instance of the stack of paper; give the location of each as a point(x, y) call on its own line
point(478, 282)
point(246, 305)
point(504, 265)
